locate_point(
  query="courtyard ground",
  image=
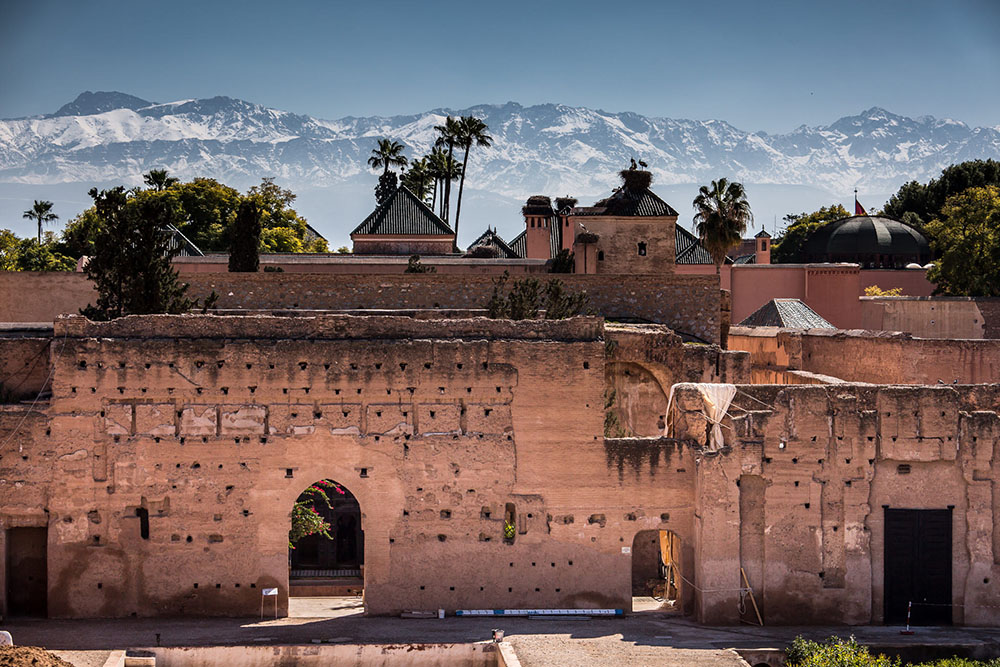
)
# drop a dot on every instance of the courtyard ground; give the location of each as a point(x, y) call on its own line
point(644, 638)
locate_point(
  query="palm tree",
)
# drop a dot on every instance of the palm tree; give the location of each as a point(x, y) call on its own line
point(158, 179)
point(418, 178)
point(437, 161)
point(723, 214)
point(449, 132)
point(42, 213)
point(471, 131)
point(388, 154)
point(450, 171)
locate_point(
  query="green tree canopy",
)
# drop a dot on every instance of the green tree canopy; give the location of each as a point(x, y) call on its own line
point(27, 254)
point(917, 204)
point(788, 247)
point(967, 241)
point(130, 266)
point(206, 212)
point(722, 215)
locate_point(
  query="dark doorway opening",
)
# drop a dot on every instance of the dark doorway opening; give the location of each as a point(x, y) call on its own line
point(328, 561)
point(27, 572)
point(656, 580)
point(918, 566)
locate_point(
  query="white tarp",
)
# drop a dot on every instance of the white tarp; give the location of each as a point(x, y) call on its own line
point(717, 397)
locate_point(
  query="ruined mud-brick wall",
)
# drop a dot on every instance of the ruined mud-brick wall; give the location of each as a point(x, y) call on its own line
point(24, 367)
point(797, 497)
point(214, 425)
point(875, 357)
point(689, 304)
point(644, 361)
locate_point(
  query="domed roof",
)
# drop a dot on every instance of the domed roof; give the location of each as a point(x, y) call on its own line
point(867, 235)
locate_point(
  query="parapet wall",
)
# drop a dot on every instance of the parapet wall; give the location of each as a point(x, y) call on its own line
point(797, 497)
point(874, 357)
point(687, 304)
point(41, 296)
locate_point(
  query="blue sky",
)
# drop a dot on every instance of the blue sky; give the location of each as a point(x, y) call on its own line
point(761, 66)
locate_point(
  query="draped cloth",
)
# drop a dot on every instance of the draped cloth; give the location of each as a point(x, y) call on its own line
point(717, 398)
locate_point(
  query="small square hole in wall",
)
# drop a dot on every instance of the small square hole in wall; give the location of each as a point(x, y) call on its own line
point(903, 469)
point(364, 472)
point(586, 365)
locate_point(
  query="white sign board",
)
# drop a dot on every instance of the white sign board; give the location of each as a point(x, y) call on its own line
point(626, 550)
point(269, 591)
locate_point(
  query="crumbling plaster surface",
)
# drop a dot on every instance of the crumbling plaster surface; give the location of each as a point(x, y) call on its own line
point(869, 356)
point(645, 361)
point(214, 425)
point(797, 496)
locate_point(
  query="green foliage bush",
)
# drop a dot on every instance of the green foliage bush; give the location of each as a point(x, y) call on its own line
point(527, 296)
point(839, 652)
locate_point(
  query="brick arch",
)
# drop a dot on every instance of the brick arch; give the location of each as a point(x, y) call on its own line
point(640, 396)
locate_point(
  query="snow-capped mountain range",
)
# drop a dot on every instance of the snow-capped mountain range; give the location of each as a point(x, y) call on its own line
point(549, 148)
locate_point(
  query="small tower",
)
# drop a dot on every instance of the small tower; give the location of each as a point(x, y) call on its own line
point(564, 207)
point(762, 247)
point(538, 218)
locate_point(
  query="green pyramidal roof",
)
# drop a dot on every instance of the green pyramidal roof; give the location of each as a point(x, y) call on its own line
point(403, 214)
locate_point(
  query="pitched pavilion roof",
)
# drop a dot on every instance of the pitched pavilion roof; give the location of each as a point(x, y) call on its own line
point(688, 248)
point(403, 214)
point(186, 247)
point(629, 203)
point(788, 314)
point(490, 239)
point(519, 245)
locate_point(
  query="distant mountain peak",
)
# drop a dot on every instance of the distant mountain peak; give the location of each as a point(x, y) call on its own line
point(549, 147)
point(88, 103)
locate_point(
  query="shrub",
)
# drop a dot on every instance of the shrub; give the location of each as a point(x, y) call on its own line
point(834, 652)
point(875, 290)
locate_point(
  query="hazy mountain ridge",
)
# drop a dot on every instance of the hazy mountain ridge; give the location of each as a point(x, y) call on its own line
point(548, 148)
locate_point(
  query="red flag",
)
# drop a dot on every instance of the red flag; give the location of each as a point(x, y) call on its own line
point(858, 208)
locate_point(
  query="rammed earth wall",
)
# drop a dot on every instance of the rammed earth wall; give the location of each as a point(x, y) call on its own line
point(214, 425)
point(688, 304)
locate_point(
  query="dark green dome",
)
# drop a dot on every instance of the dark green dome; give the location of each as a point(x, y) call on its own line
point(869, 240)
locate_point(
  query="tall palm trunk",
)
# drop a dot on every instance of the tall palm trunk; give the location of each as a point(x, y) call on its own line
point(447, 184)
point(434, 194)
point(39, 230)
point(461, 187)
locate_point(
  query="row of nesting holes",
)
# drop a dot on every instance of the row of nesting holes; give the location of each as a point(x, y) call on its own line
point(101, 585)
point(284, 390)
point(303, 365)
point(510, 589)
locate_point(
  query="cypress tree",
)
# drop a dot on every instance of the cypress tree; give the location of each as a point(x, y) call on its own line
point(244, 245)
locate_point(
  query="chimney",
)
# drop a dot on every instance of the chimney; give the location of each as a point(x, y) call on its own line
point(564, 206)
point(538, 220)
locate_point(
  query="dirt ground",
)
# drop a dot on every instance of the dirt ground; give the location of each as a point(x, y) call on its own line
point(29, 656)
point(651, 637)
